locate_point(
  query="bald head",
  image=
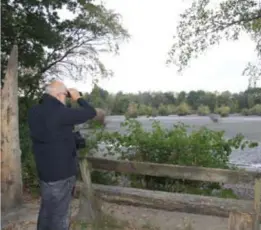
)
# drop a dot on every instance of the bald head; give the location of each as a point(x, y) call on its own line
point(57, 89)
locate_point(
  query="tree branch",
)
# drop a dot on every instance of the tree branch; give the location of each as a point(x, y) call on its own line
point(236, 22)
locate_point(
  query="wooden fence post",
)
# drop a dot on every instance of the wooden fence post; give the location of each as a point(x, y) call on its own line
point(90, 208)
point(257, 206)
point(246, 221)
point(240, 221)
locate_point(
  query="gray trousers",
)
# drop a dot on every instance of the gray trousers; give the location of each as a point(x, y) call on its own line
point(55, 204)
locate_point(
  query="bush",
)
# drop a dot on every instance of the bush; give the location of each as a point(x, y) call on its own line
point(171, 109)
point(245, 112)
point(29, 173)
point(183, 109)
point(203, 110)
point(202, 147)
point(163, 110)
point(223, 111)
point(144, 110)
point(256, 110)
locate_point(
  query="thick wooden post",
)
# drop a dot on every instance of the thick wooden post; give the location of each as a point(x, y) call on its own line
point(90, 209)
point(11, 178)
point(240, 221)
point(257, 206)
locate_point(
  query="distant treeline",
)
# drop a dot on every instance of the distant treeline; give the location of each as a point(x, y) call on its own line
point(166, 103)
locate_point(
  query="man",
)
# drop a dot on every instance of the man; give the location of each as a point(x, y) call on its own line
point(51, 124)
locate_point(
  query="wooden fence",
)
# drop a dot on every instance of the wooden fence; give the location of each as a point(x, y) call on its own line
point(242, 214)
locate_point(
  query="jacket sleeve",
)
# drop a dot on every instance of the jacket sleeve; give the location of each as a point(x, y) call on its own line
point(75, 116)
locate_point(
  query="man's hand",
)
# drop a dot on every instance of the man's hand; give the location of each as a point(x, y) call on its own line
point(100, 115)
point(75, 95)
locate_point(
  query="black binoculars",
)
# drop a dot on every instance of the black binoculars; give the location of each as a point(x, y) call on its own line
point(69, 95)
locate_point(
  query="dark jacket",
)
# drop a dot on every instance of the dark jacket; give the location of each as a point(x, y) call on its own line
point(51, 124)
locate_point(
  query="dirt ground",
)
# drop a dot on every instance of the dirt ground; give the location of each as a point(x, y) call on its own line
point(136, 217)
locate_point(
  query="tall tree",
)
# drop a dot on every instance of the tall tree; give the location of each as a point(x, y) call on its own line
point(48, 46)
point(206, 23)
point(52, 46)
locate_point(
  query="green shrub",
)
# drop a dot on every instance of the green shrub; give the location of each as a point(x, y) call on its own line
point(163, 110)
point(245, 112)
point(202, 147)
point(106, 178)
point(29, 173)
point(144, 110)
point(255, 110)
point(203, 110)
point(171, 109)
point(223, 111)
point(183, 109)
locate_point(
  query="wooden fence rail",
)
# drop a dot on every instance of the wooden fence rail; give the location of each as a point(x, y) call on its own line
point(245, 212)
point(175, 171)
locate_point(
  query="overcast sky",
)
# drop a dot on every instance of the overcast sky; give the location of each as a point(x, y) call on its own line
point(140, 66)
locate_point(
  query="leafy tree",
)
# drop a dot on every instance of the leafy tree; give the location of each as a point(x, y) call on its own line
point(194, 98)
point(132, 111)
point(255, 110)
point(163, 110)
point(183, 109)
point(144, 110)
point(50, 46)
point(154, 103)
point(255, 94)
point(203, 110)
point(206, 23)
point(121, 103)
point(223, 111)
point(100, 98)
point(181, 97)
point(171, 109)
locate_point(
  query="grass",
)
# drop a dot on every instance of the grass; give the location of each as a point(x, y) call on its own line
point(106, 222)
point(110, 223)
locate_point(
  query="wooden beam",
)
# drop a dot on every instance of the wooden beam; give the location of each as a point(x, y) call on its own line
point(170, 201)
point(174, 171)
point(257, 204)
point(89, 207)
point(240, 221)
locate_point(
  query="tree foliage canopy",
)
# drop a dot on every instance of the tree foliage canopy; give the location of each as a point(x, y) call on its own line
point(182, 103)
point(50, 45)
point(206, 23)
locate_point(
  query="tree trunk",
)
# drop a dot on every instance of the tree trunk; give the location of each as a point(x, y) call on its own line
point(240, 221)
point(90, 208)
point(11, 179)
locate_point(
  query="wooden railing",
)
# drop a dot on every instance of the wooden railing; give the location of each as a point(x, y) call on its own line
point(247, 212)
